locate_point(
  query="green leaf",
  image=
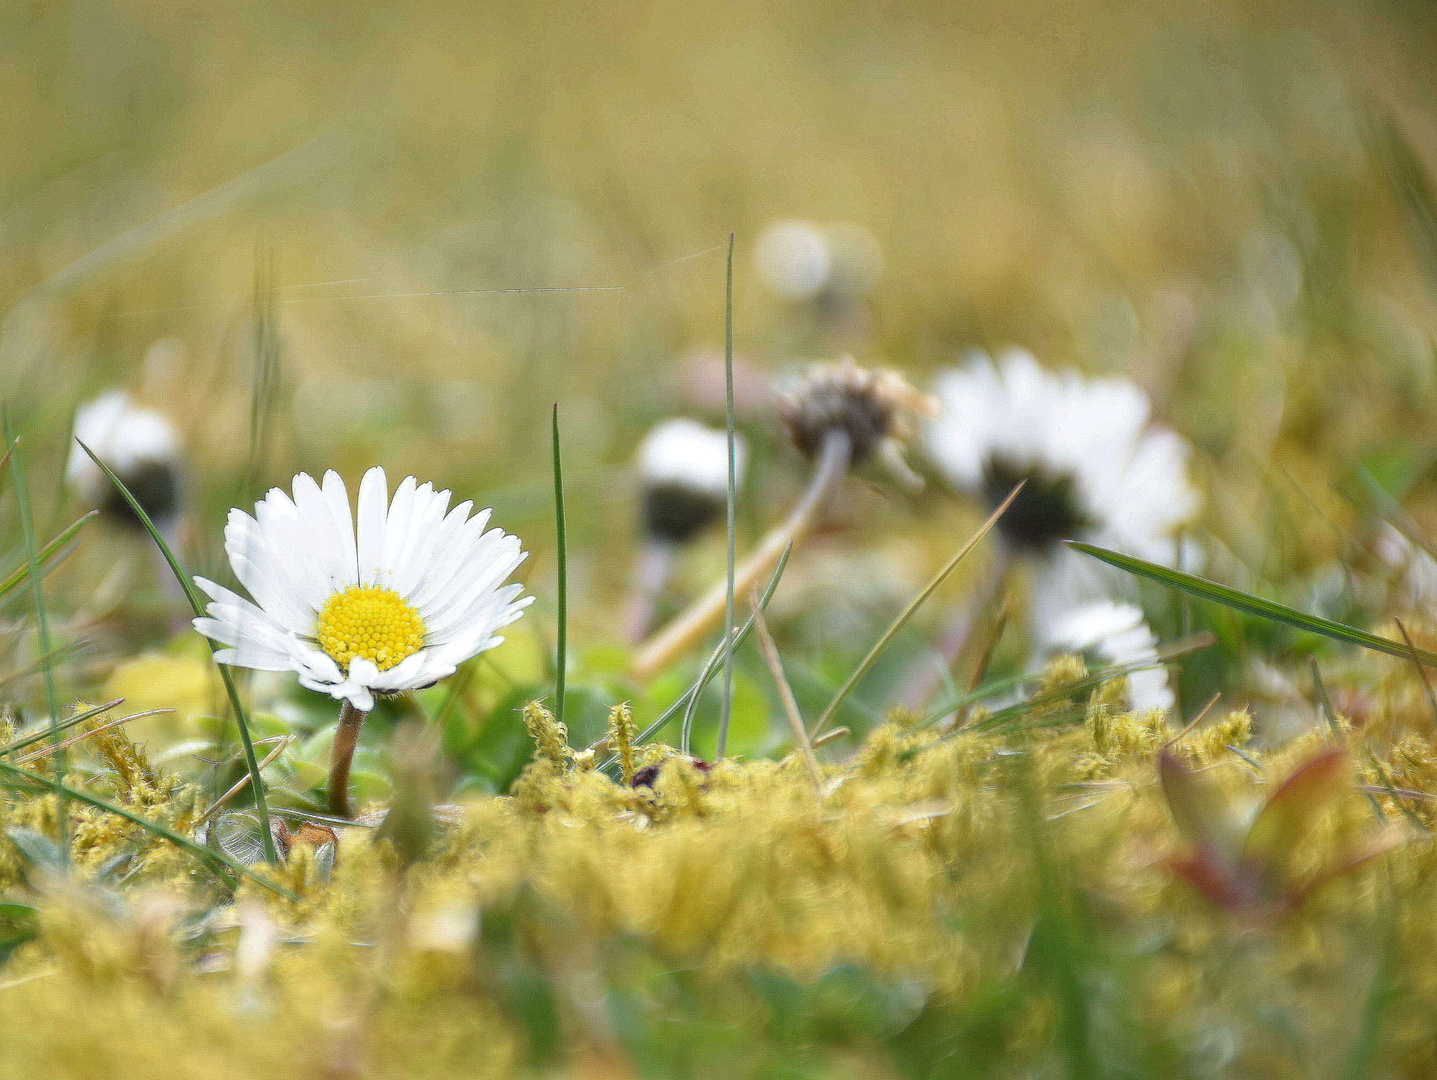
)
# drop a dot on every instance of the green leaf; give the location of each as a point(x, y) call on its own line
point(1200, 815)
point(1254, 605)
point(38, 849)
point(1293, 811)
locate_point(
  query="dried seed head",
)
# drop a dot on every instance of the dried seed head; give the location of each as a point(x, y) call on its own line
point(874, 408)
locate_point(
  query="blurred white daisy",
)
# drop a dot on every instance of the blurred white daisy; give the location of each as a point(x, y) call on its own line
point(683, 467)
point(143, 449)
point(793, 259)
point(1095, 469)
point(392, 604)
point(683, 476)
point(1117, 635)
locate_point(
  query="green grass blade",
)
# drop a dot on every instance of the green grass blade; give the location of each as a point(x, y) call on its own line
point(232, 691)
point(726, 708)
point(689, 696)
point(45, 554)
point(1254, 605)
point(42, 621)
point(907, 613)
point(561, 644)
point(208, 856)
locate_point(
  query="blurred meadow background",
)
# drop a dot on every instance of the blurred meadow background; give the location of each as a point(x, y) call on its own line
point(334, 236)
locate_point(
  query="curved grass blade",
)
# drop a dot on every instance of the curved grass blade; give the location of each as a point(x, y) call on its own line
point(907, 613)
point(1254, 605)
point(46, 553)
point(232, 691)
point(208, 856)
point(689, 696)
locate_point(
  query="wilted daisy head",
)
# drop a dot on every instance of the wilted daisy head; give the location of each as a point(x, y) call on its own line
point(874, 408)
point(1094, 467)
point(683, 467)
point(140, 445)
point(392, 603)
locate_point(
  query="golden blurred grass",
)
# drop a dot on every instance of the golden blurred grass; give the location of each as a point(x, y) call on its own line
point(1200, 195)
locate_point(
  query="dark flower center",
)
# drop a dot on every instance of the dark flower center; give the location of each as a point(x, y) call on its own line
point(155, 486)
point(1046, 510)
point(677, 513)
point(866, 417)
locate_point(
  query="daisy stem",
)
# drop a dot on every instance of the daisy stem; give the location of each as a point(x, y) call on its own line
point(346, 738)
point(831, 465)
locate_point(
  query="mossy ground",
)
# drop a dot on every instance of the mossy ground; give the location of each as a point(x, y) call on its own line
point(944, 904)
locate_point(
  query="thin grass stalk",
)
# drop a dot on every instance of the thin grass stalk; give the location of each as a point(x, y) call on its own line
point(786, 699)
point(243, 782)
point(42, 625)
point(913, 605)
point(231, 690)
point(561, 645)
point(46, 751)
point(726, 707)
point(1421, 671)
point(700, 617)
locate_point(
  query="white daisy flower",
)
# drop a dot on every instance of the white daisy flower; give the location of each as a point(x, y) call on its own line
point(140, 445)
point(1119, 636)
point(1095, 470)
point(392, 604)
point(683, 467)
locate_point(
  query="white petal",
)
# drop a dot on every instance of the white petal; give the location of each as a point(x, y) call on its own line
point(255, 658)
point(373, 496)
point(396, 531)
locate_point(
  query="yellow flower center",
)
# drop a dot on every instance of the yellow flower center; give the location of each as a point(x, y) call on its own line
point(371, 623)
